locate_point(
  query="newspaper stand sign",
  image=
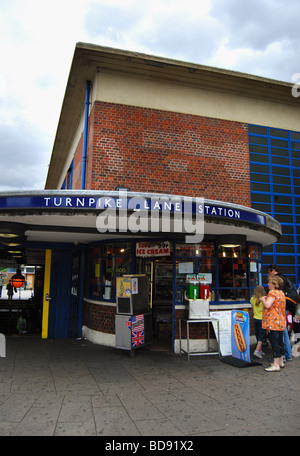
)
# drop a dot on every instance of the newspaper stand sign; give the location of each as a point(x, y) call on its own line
point(224, 318)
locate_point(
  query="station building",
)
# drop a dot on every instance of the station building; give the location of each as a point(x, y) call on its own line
point(147, 149)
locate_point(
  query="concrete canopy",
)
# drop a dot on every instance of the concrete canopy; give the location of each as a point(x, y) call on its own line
point(70, 216)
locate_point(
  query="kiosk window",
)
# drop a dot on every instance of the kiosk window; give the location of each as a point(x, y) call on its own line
point(107, 262)
point(232, 272)
point(193, 259)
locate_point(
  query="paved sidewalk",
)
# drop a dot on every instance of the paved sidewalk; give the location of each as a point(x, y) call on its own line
point(67, 387)
point(20, 294)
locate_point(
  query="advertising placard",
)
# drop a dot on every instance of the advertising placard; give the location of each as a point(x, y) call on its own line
point(137, 330)
point(123, 287)
point(224, 318)
point(240, 335)
point(136, 325)
point(204, 278)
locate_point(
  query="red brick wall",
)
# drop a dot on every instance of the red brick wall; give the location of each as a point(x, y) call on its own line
point(156, 151)
point(77, 160)
point(99, 317)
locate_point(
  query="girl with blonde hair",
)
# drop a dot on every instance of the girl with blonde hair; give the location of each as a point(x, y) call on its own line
point(257, 307)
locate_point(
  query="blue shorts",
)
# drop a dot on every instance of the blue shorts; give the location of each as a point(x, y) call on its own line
point(260, 333)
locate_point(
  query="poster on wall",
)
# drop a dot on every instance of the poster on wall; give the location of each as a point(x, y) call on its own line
point(187, 268)
point(134, 285)
point(240, 335)
point(136, 324)
point(123, 287)
point(224, 318)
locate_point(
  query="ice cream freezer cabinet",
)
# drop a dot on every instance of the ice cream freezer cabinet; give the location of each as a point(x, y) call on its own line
point(133, 331)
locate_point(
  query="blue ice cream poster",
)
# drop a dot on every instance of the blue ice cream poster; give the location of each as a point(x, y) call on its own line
point(240, 335)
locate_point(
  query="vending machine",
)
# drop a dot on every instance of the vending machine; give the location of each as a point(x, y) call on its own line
point(133, 319)
point(132, 294)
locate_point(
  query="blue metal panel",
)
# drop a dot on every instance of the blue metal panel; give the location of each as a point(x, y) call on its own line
point(81, 291)
point(75, 290)
point(60, 294)
point(275, 168)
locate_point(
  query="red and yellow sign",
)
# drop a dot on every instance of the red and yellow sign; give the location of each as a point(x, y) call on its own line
point(144, 249)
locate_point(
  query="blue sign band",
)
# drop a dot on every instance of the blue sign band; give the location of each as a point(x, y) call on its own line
point(163, 204)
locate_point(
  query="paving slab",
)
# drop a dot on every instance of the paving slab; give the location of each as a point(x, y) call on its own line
point(67, 387)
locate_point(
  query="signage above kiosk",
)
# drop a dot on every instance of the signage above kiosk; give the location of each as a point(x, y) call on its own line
point(155, 203)
point(88, 214)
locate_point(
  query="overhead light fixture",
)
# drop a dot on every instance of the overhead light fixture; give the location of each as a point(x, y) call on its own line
point(13, 241)
point(11, 244)
point(9, 230)
point(231, 240)
point(230, 246)
point(17, 254)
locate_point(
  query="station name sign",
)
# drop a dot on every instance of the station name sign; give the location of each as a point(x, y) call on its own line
point(174, 205)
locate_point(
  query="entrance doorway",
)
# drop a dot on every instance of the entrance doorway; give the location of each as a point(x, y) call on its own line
point(160, 275)
point(61, 301)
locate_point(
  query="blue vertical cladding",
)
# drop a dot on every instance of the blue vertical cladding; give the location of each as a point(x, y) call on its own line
point(275, 189)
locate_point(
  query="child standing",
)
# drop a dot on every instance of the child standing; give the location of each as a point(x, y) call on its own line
point(257, 307)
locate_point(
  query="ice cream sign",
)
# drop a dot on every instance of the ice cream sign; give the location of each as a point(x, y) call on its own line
point(144, 249)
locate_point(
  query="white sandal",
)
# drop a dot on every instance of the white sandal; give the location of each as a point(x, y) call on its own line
point(272, 368)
